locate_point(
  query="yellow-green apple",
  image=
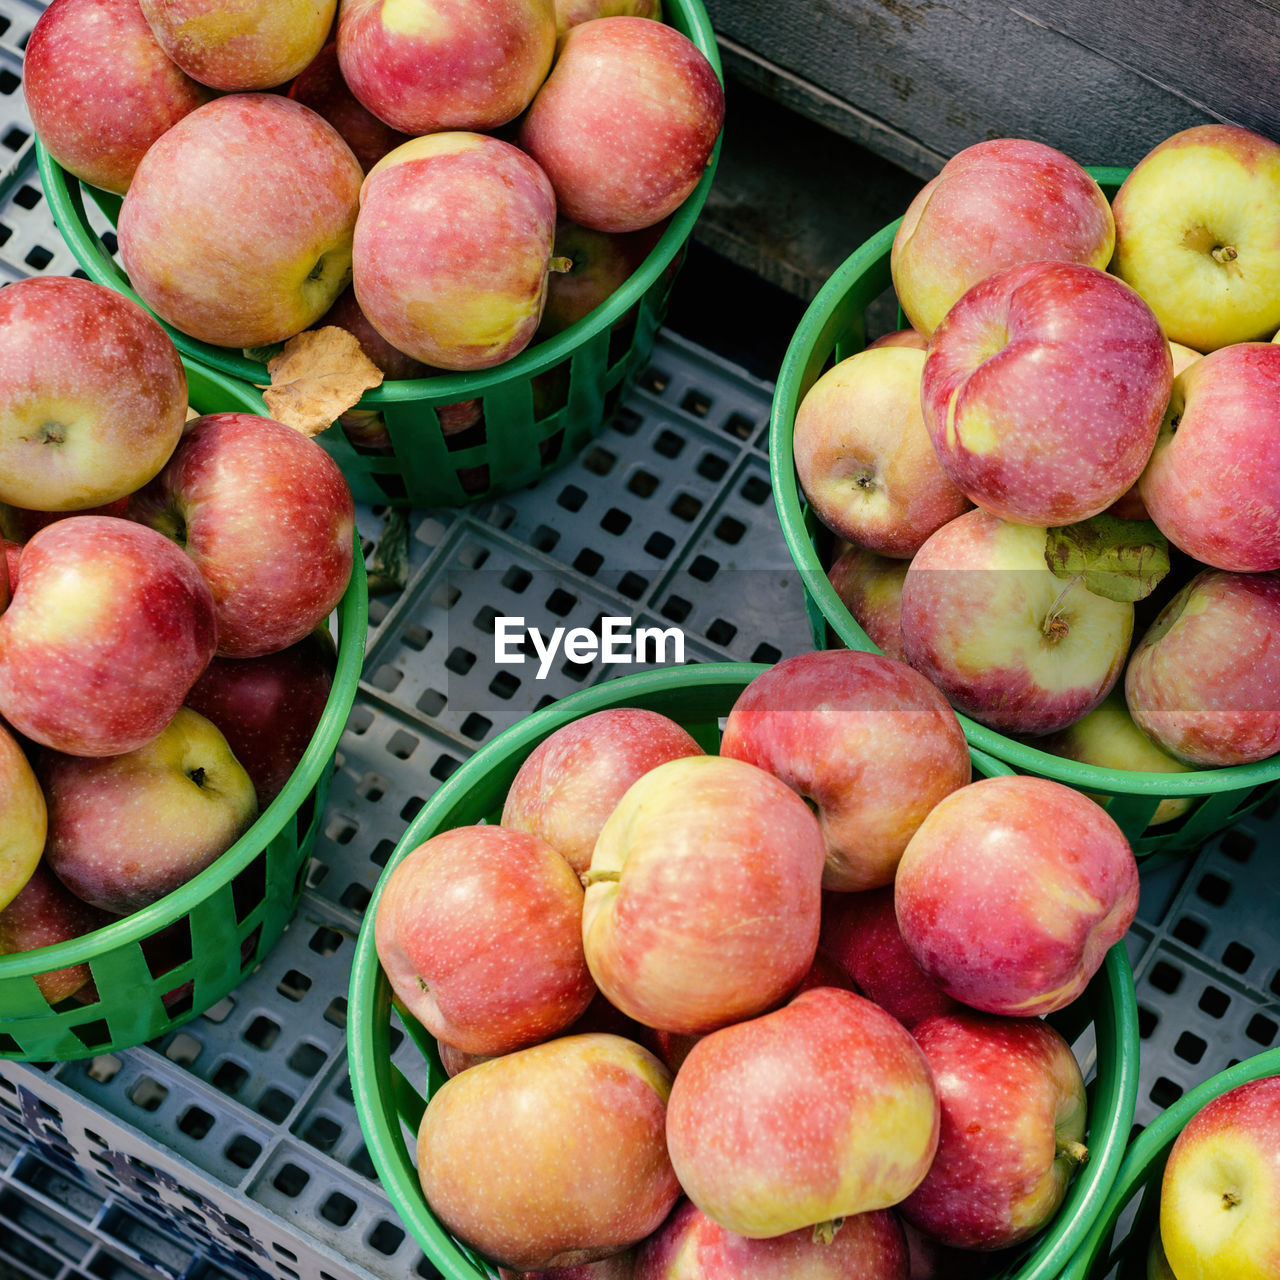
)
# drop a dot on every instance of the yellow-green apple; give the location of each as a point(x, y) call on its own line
point(268, 707)
point(572, 781)
point(618, 1266)
point(125, 830)
point(266, 516)
point(1011, 892)
point(626, 122)
point(237, 226)
point(43, 913)
point(1012, 1135)
point(691, 1246)
point(553, 1155)
point(570, 13)
point(23, 818)
point(109, 627)
point(860, 932)
point(1109, 738)
point(864, 459)
point(453, 247)
point(1221, 1188)
point(1212, 484)
point(100, 89)
point(92, 395)
point(996, 204)
point(703, 895)
point(1006, 640)
point(870, 587)
point(425, 66)
point(242, 45)
point(911, 338)
point(866, 741)
point(503, 967)
point(1201, 681)
point(1157, 1264)
point(1197, 236)
point(796, 1119)
point(1043, 391)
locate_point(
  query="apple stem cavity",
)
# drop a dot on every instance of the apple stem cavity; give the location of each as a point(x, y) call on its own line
point(589, 878)
point(825, 1232)
point(1055, 627)
point(1071, 1150)
point(52, 433)
point(1230, 1199)
point(196, 775)
point(1224, 253)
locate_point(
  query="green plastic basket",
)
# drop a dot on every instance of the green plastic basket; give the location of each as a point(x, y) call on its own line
point(1112, 1248)
point(226, 919)
point(833, 328)
point(390, 1105)
point(540, 408)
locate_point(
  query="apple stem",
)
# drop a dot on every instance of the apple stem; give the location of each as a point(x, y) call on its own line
point(1074, 1151)
point(589, 878)
point(1230, 1199)
point(825, 1232)
point(1054, 628)
point(1225, 253)
point(560, 264)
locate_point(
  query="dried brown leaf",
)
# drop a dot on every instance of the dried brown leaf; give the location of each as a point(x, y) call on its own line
point(318, 375)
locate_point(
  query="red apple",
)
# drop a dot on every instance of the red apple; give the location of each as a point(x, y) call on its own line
point(870, 587)
point(626, 122)
point(1202, 681)
point(1043, 391)
point(618, 1266)
point(569, 13)
point(823, 1109)
point(572, 781)
point(690, 1246)
point(109, 627)
point(1012, 891)
point(125, 830)
point(703, 895)
point(995, 204)
point(425, 66)
point(266, 516)
point(869, 743)
point(100, 89)
point(237, 226)
point(23, 818)
point(551, 1156)
point(503, 966)
point(23, 524)
point(1013, 1128)
point(92, 394)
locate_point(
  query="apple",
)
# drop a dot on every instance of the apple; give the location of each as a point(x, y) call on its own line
point(703, 895)
point(1212, 484)
point(690, 1246)
point(125, 830)
point(1221, 1187)
point(860, 932)
point(45, 912)
point(1157, 1264)
point(1043, 391)
point(109, 627)
point(257, 44)
point(626, 122)
point(237, 226)
point(425, 66)
point(1007, 641)
point(618, 1266)
point(1201, 681)
point(93, 395)
point(570, 13)
point(996, 204)
point(21, 523)
point(1196, 235)
point(910, 338)
point(864, 459)
point(551, 1156)
point(1013, 1127)
point(1012, 891)
point(870, 587)
point(930, 1259)
point(268, 707)
point(572, 781)
point(452, 249)
point(100, 89)
point(503, 967)
point(866, 741)
point(823, 1109)
point(394, 363)
point(266, 516)
point(23, 818)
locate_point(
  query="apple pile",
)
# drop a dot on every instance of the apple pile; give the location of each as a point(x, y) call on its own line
point(163, 662)
point(1057, 495)
point(710, 1016)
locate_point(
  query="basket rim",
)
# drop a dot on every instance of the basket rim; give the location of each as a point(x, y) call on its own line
point(791, 507)
point(65, 194)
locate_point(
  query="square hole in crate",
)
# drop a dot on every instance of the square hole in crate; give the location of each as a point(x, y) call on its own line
point(275, 1104)
point(659, 545)
point(1164, 1093)
point(756, 490)
point(444, 768)
point(1165, 977)
point(382, 851)
point(686, 507)
point(642, 483)
point(1214, 1002)
point(104, 1068)
point(386, 1237)
point(336, 1011)
point(677, 608)
point(290, 1179)
point(475, 726)
point(337, 1208)
point(1237, 957)
point(1190, 931)
point(195, 1122)
point(415, 636)
point(711, 466)
point(571, 498)
point(294, 985)
point(325, 941)
point(703, 568)
point(387, 678)
point(721, 633)
point(409, 810)
point(730, 530)
point(262, 1032)
point(355, 897)
point(228, 1077)
point(460, 660)
point(765, 652)
point(1238, 845)
point(588, 562)
point(599, 460)
point(485, 619)
point(1148, 1020)
point(14, 138)
point(504, 685)
point(1213, 889)
point(696, 402)
point(306, 1059)
point(561, 602)
point(361, 1163)
point(739, 426)
point(322, 1133)
point(402, 745)
point(615, 521)
point(148, 1094)
point(183, 1049)
point(667, 444)
point(39, 257)
point(1261, 1030)
point(1190, 1047)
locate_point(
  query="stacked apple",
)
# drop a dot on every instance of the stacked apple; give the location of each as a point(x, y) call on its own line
point(715, 1016)
point(1012, 477)
point(161, 672)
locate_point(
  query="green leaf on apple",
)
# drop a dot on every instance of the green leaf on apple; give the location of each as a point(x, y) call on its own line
point(1118, 559)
